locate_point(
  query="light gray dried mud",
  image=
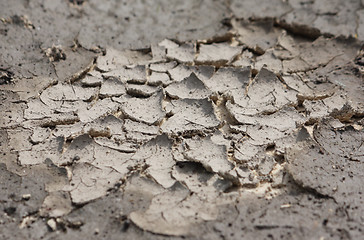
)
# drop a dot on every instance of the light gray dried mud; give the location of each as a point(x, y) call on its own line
point(192, 120)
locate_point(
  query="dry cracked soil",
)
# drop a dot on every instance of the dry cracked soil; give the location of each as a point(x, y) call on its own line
point(183, 119)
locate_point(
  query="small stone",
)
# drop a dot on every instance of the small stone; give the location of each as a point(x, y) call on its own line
point(217, 54)
point(26, 197)
point(52, 224)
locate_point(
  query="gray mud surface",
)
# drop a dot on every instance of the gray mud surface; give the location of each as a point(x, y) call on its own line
point(205, 119)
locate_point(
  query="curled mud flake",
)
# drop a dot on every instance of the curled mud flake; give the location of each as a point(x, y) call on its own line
point(54, 120)
point(84, 94)
point(190, 116)
point(313, 96)
point(89, 182)
point(229, 79)
point(98, 109)
point(295, 83)
point(331, 166)
point(77, 64)
point(163, 67)
point(138, 56)
point(117, 142)
point(180, 72)
point(53, 96)
point(342, 23)
point(295, 65)
point(115, 59)
point(50, 149)
point(56, 204)
point(97, 131)
point(147, 110)
point(36, 109)
point(320, 17)
point(157, 155)
point(266, 94)
point(278, 147)
point(300, 22)
point(270, 61)
point(278, 177)
point(135, 74)
point(249, 154)
point(343, 114)
point(70, 107)
point(247, 177)
point(237, 131)
point(112, 60)
point(287, 46)
point(208, 186)
point(158, 52)
point(30, 88)
point(309, 55)
point(81, 149)
point(191, 87)
point(19, 139)
point(195, 177)
point(347, 144)
point(68, 131)
point(132, 127)
point(258, 36)
point(184, 53)
point(114, 159)
point(315, 110)
point(335, 123)
point(244, 60)
point(92, 79)
point(287, 119)
point(137, 138)
point(319, 52)
point(55, 53)
point(335, 106)
point(180, 213)
point(151, 219)
point(110, 125)
point(245, 151)
point(266, 165)
point(168, 44)
point(112, 87)
point(212, 156)
point(142, 186)
point(40, 134)
point(139, 132)
point(346, 100)
point(217, 54)
point(157, 78)
point(352, 88)
point(141, 91)
point(266, 9)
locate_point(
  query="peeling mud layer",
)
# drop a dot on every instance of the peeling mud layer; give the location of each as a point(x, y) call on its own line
point(191, 120)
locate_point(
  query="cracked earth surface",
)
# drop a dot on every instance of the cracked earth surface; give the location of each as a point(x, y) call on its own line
point(199, 120)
